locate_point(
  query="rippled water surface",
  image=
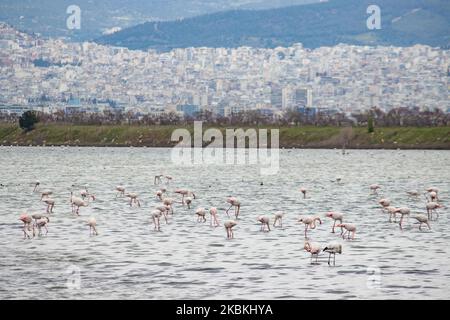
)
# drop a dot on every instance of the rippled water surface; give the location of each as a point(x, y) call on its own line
point(190, 260)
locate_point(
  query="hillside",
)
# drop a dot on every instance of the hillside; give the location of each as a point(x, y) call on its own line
point(403, 22)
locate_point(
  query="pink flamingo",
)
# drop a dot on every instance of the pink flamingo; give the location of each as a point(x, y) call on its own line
point(431, 207)
point(26, 219)
point(184, 193)
point(278, 218)
point(404, 211)
point(169, 203)
point(42, 223)
point(384, 203)
point(336, 216)
point(133, 199)
point(310, 222)
point(120, 191)
point(422, 219)
point(392, 213)
point(314, 248)
point(214, 222)
point(236, 204)
point(50, 204)
point(229, 224)
point(349, 228)
point(85, 194)
point(46, 193)
point(201, 212)
point(303, 190)
point(374, 188)
point(92, 223)
point(264, 220)
point(77, 202)
point(156, 216)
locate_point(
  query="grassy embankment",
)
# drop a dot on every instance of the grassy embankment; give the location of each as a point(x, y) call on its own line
point(159, 136)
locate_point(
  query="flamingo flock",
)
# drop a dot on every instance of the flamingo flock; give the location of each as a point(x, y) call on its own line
point(37, 223)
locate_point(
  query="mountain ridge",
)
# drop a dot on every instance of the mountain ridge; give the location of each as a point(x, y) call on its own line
point(403, 23)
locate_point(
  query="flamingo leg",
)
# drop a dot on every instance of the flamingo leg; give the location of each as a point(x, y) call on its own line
point(334, 225)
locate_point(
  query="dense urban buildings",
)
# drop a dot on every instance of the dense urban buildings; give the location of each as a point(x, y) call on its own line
point(51, 75)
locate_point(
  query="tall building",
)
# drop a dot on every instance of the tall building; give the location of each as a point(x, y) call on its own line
point(293, 98)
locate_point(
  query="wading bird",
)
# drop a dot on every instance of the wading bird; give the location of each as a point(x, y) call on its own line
point(264, 220)
point(349, 228)
point(46, 193)
point(85, 194)
point(214, 222)
point(184, 193)
point(309, 222)
point(431, 207)
point(384, 203)
point(314, 248)
point(50, 204)
point(201, 213)
point(236, 204)
point(336, 216)
point(333, 248)
point(422, 219)
point(374, 188)
point(303, 190)
point(26, 219)
point(37, 183)
point(120, 191)
point(229, 224)
point(92, 223)
point(133, 199)
point(404, 211)
point(156, 216)
point(168, 202)
point(278, 218)
point(42, 223)
point(77, 202)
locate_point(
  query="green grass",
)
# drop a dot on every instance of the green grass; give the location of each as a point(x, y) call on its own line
point(159, 136)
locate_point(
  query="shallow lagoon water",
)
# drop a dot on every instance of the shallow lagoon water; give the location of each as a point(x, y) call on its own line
point(190, 260)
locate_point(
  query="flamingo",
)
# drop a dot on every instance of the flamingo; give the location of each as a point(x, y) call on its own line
point(349, 228)
point(77, 202)
point(404, 211)
point(188, 201)
point(264, 220)
point(303, 190)
point(236, 204)
point(433, 196)
point(214, 222)
point(423, 219)
point(169, 203)
point(333, 248)
point(278, 218)
point(435, 192)
point(37, 183)
point(336, 216)
point(120, 191)
point(133, 199)
point(46, 193)
point(26, 219)
point(431, 207)
point(164, 210)
point(159, 194)
point(201, 212)
point(184, 193)
point(50, 204)
point(310, 222)
point(314, 248)
point(92, 223)
point(42, 223)
point(413, 193)
point(392, 213)
point(229, 224)
point(374, 188)
point(156, 215)
point(384, 203)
